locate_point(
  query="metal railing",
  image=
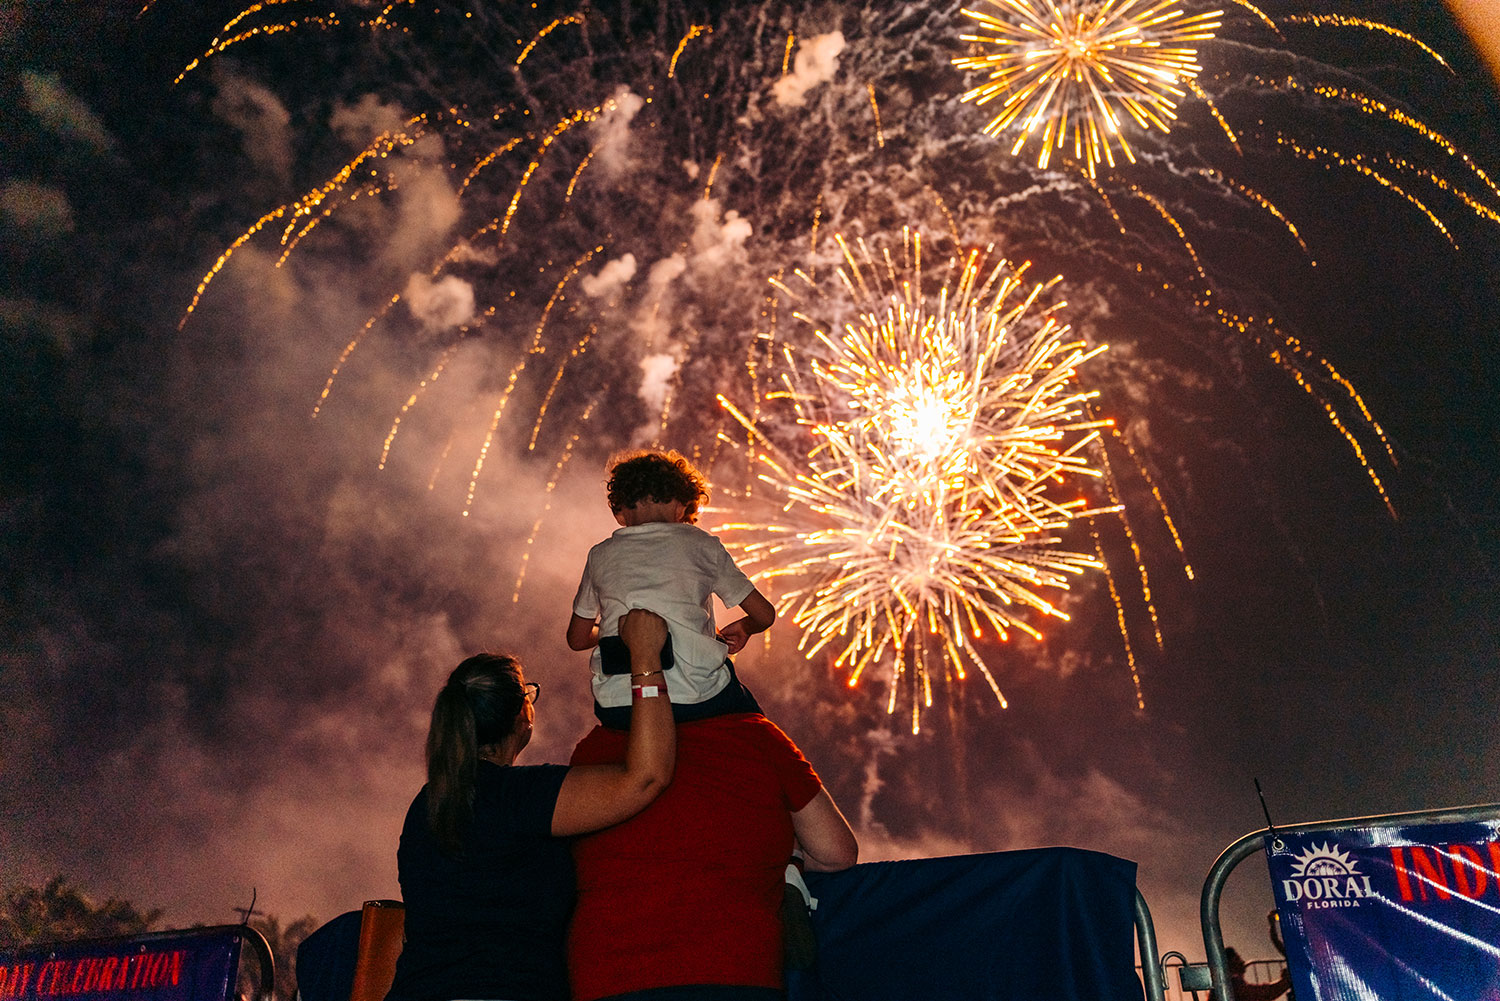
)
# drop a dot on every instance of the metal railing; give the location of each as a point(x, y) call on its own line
point(1191, 980)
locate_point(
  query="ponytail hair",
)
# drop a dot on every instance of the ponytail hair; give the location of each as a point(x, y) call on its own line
point(476, 708)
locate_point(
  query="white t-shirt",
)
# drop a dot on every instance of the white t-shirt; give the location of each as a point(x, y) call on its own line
point(674, 570)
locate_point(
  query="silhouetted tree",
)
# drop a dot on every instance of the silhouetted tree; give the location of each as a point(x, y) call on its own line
point(59, 911)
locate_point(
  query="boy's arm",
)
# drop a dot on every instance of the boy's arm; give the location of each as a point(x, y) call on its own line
point(759, 615)
point(583, 634)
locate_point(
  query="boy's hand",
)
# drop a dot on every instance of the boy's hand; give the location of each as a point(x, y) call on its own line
point(735, 635)
point(758, 617)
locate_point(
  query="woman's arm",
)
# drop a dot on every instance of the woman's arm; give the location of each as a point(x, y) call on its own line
point(823, 834)
point(596, 796)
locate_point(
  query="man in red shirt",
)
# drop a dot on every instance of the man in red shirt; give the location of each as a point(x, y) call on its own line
point(689, 892)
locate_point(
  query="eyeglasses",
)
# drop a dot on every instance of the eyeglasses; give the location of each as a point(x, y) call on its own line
point(533, 691)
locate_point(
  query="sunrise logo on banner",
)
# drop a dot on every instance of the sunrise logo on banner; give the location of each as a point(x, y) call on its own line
point(1399, 913)
point(1324, 876)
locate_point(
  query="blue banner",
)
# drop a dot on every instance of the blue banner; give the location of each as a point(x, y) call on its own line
point(161, 966)
point(1390, 913)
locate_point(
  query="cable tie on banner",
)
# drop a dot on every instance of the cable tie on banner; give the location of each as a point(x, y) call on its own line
point(245, 912)
point(1276, 843)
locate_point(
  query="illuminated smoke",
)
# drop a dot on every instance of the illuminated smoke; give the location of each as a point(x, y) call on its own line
point(439, 305)
point(816, 62)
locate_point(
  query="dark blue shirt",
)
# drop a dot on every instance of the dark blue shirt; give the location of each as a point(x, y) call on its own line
point(491, 921)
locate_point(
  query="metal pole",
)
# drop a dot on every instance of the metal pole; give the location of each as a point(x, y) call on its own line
point(1151, 971)
point(262, 949)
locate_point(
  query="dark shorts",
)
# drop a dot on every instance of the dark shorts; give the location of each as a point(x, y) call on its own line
point(735, 698)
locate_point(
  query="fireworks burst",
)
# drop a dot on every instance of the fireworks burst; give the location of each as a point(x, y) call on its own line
point(945, 440)
point(1063, 68)
point(1068, 68)
point(607, 136)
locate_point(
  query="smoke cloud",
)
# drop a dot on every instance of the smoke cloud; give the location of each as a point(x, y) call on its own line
point(60, 112)
point(264, 124)
point(439, 305)
point(656, 380)
point(363, 120)
point(652, 322)
point(611, 130)
point(426, 210)
point(41, 208)
point(610, 279)
point(816, 62)
point(717, 244)
point(663, 273)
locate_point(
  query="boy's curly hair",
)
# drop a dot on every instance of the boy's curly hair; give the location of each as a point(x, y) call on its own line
point(651, 475)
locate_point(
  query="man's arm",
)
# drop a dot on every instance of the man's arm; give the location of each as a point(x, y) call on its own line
point(823, 834)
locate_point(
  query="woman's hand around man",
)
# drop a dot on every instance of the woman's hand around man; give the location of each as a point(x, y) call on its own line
point(598, 796)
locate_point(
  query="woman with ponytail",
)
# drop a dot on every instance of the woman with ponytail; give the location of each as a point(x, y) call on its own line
point(485, 873)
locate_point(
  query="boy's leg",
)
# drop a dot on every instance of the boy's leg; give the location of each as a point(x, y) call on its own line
point(734, 699)
point(743, 694)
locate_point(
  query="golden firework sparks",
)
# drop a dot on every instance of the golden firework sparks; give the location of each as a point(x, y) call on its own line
point(576, 18)
point(693, 32)
point(945, 438)
point(1344, 21)
point(1068, 71)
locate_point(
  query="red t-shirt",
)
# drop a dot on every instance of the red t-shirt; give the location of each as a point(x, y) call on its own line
point(689, 890)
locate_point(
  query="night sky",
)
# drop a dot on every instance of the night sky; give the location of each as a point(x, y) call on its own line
point(222, 624)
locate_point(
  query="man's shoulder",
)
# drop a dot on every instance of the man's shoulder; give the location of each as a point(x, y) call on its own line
point(747, 743)
point(599, 745)
point(735, 726)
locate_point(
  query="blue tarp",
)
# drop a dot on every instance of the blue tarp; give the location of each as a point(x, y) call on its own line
point(325, 959)
point(1046, 923)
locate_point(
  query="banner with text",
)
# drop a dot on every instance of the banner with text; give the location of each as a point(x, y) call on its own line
point(185, 966)
point(1390, 913)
